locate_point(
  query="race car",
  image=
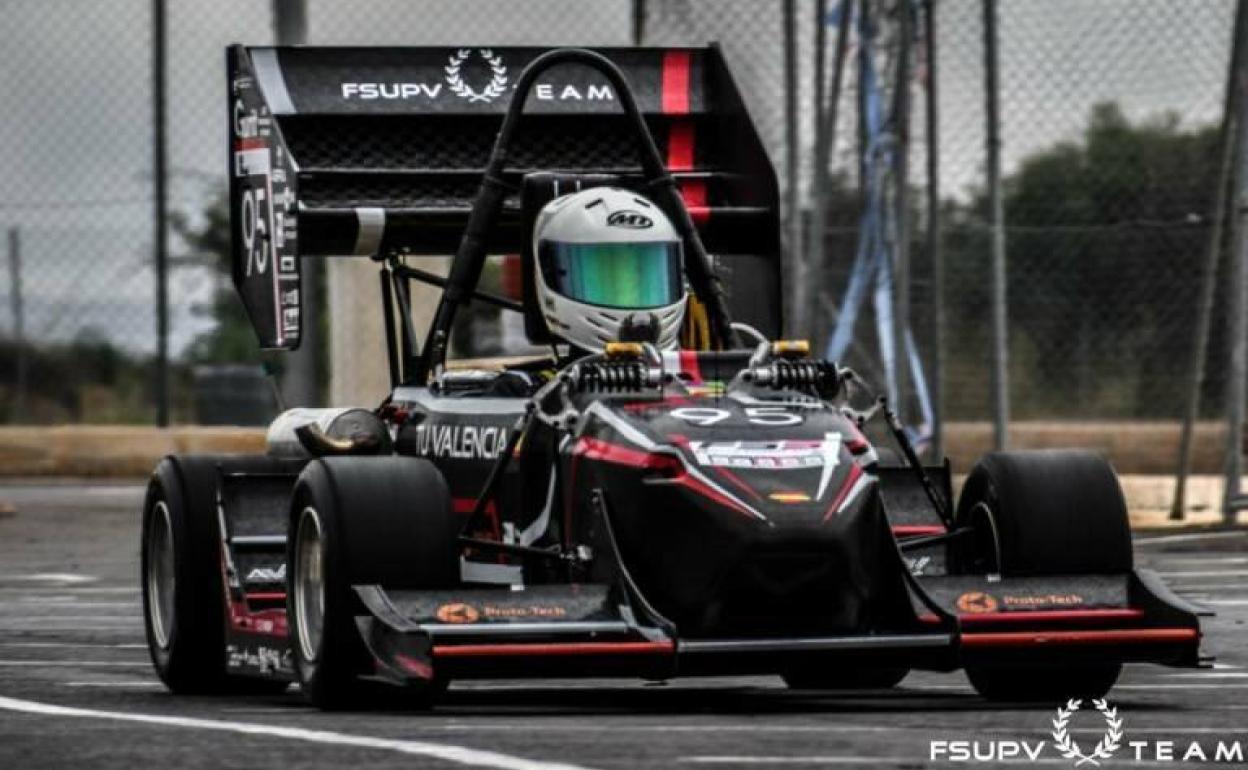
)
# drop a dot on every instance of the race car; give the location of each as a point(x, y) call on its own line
point(672, 491)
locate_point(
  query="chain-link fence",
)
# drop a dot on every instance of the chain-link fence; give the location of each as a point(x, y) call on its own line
point(1109, 114)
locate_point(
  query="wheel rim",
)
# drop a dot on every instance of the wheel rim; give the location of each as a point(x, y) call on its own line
point(309, 584)
point(988, 540)
point(161, 580)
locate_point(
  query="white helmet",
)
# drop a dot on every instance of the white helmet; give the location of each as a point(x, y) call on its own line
point(602, 254)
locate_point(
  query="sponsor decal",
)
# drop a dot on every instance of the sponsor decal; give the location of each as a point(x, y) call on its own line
point(786, 454)
point(1063, 745)
point(768, 455)
point(461, 442)
point(461, 613)
point(628, 219)
point(457, 613)
point(266, 659)
point(976, 602)
point(771, 416)
point(917, 564)
point(267, 574)
point(1043, 600)
point(265, 216)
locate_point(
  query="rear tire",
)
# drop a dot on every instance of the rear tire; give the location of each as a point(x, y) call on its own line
point(846, 679)
point(1055, 512)
point(361, 521)
point(183, 588)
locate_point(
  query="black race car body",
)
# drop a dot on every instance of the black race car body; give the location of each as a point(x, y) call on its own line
point(711, 510)
point(700, 529)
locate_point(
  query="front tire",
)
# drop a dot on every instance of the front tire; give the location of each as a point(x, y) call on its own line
point(1040, 684)
point(1055, 512)
point(361, 521)
point(846, 679)
point(182, 584)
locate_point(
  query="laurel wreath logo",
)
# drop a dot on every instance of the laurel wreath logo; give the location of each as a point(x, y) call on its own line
point(1108, 744)
point(497, 85)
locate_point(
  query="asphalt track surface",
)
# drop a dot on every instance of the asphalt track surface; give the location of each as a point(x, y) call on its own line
point(77, 690)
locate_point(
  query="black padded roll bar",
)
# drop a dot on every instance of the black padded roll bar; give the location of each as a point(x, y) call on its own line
point(470, 257)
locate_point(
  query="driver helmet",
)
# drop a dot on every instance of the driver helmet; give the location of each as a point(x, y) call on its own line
point(602, 255)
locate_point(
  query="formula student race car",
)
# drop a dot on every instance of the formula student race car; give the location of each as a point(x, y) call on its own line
point(633, 510)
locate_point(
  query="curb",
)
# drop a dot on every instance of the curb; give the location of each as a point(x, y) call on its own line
point(112, 450)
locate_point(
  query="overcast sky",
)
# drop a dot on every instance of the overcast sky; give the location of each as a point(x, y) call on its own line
point(75, 133)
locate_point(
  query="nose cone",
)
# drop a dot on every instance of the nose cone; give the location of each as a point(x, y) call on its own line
point(736, 516)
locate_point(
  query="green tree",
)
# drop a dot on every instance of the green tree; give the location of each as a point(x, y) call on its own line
point(1105, 240)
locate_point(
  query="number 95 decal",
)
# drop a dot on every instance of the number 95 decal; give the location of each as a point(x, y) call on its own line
point(775, 416)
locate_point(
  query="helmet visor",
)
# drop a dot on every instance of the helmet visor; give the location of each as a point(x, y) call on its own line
point(618, 275)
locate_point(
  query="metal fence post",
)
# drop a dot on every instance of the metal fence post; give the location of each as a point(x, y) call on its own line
point(301, 380)
point(901, 209)
point(19, 322)
point(934, 252)
point(825, 142)
point(1208, 278)
point(1237, 388)
point(795, 271)
point(1000, 330)
point(160, 244)
point(804, 307)
point(639, 22)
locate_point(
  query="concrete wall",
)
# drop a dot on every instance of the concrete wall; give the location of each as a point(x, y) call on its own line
point(1134, 448)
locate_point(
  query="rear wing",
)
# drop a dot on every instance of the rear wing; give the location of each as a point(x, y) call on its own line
point(380, 151)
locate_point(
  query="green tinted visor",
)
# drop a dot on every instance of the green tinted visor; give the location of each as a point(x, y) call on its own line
point(619, 275)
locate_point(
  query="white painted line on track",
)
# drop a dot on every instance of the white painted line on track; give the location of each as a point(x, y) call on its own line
point(861, 761)
point(68, 604)
point(1201, 587)
point(124, 685)
point(85, 628)
point(1184, 686)
point(112, 622)
point(1226, 602)
point(60, 578)
point(57, 590)
point(1210, 560)
point(615, 728)
point(446, 752)
point(73, 645)
point(815, 760)
point(1210, 675)
point(1206, 573)
point(70, 663)
point(1187, 537)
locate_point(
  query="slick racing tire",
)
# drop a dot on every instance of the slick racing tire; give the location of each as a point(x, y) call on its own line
point(1043, 684)
point(361, 521)
point(183, 587)
point(1055, 512)
point(1052, 512)
point(846, 679)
